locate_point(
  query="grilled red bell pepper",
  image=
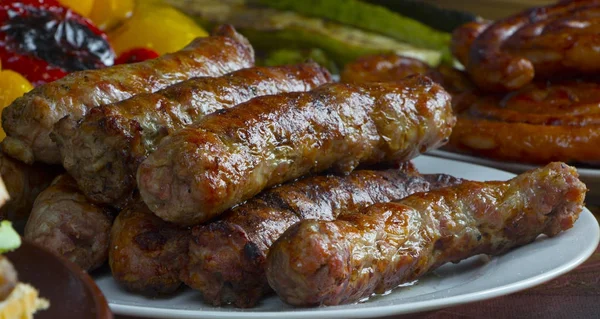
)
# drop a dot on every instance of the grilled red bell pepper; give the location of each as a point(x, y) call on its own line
point(136, 55)
point(43, 41)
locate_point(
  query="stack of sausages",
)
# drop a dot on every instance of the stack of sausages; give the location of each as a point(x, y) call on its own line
point(537, 89)
point(199, 168)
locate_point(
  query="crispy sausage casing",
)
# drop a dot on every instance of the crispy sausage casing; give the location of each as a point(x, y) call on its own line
point(146, 254)
point(23, 183)
point(65, 222)
point(29, 120)
point(227, 258)
point(232, 155)
point(343, 261)
point(559, 39)
point(103, 152)
point(541, 122)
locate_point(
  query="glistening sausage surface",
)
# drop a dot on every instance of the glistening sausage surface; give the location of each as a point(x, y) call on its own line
point(146, 254)
point(342, 261)
point(232, 155)
point(104, 151)
point(227, 257)
point(29, 120)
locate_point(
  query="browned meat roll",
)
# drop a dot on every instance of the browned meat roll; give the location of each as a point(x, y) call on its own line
point(384, 68)
point(146, 254)
point(232, 155)
point(227, 258)
point(23, 183)
point(103, 152)
point(555, 40)
point(65, 222)
point(341, 261)
point(29, 120)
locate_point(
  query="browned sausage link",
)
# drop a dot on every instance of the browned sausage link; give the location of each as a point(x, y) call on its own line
point(227, 258)
point(232, 155)
point(463, 37)
point(343, 261)
point(29, 120)
point(65, 222)
point(383, 68)
point(146, 253)
point(23, 183)
point(104, 151)
point(557, 39)
point(392, 67)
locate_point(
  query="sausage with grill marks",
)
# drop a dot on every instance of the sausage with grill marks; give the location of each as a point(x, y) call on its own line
point(342, 261)
point(104, 151)
point(29, 120)
point(232, 155)
point(227, 257)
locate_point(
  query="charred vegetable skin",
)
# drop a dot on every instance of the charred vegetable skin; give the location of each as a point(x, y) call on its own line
point(227, 258)
point(146, 253)
point(232, 155)
point(343, 261)
point(44, 41)
point(123, 134)
point(29, 120)
point(63, 221)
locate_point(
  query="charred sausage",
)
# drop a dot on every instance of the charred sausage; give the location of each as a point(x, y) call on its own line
point(146, 254)
point(232, 155)
point(342, 261)
point(29, 120)
point(103, 152)
point(539, 42)
point(227, 257)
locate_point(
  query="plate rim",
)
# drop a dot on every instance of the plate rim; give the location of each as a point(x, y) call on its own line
point(387, 310)
point(501, 165)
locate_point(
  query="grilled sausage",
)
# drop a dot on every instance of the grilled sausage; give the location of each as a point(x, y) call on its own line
point(463, 37)
point(232, 155)
point(104, 151)
point(542, 122)
point(29, 120)
point(542, 42)
point(227, 257)
point(65, 222)
point(23, 183)
point(383, 68)
point(343, 261)
point(146, 253)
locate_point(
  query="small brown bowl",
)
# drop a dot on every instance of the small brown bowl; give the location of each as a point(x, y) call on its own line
point(71, 292)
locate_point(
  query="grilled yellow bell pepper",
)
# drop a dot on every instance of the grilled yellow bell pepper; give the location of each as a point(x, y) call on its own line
point(12, 86)
point(157, 26)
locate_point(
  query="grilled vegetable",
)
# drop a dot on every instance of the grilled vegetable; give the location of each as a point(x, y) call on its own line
point(440, 19)
point(368, 17)
point(44, 41)
point(270, 29)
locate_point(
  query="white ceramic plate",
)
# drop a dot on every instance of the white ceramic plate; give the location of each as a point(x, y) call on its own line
point(590, 176)
point(474, 279)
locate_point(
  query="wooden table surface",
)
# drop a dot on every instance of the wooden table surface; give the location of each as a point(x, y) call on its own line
point(573, 295)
